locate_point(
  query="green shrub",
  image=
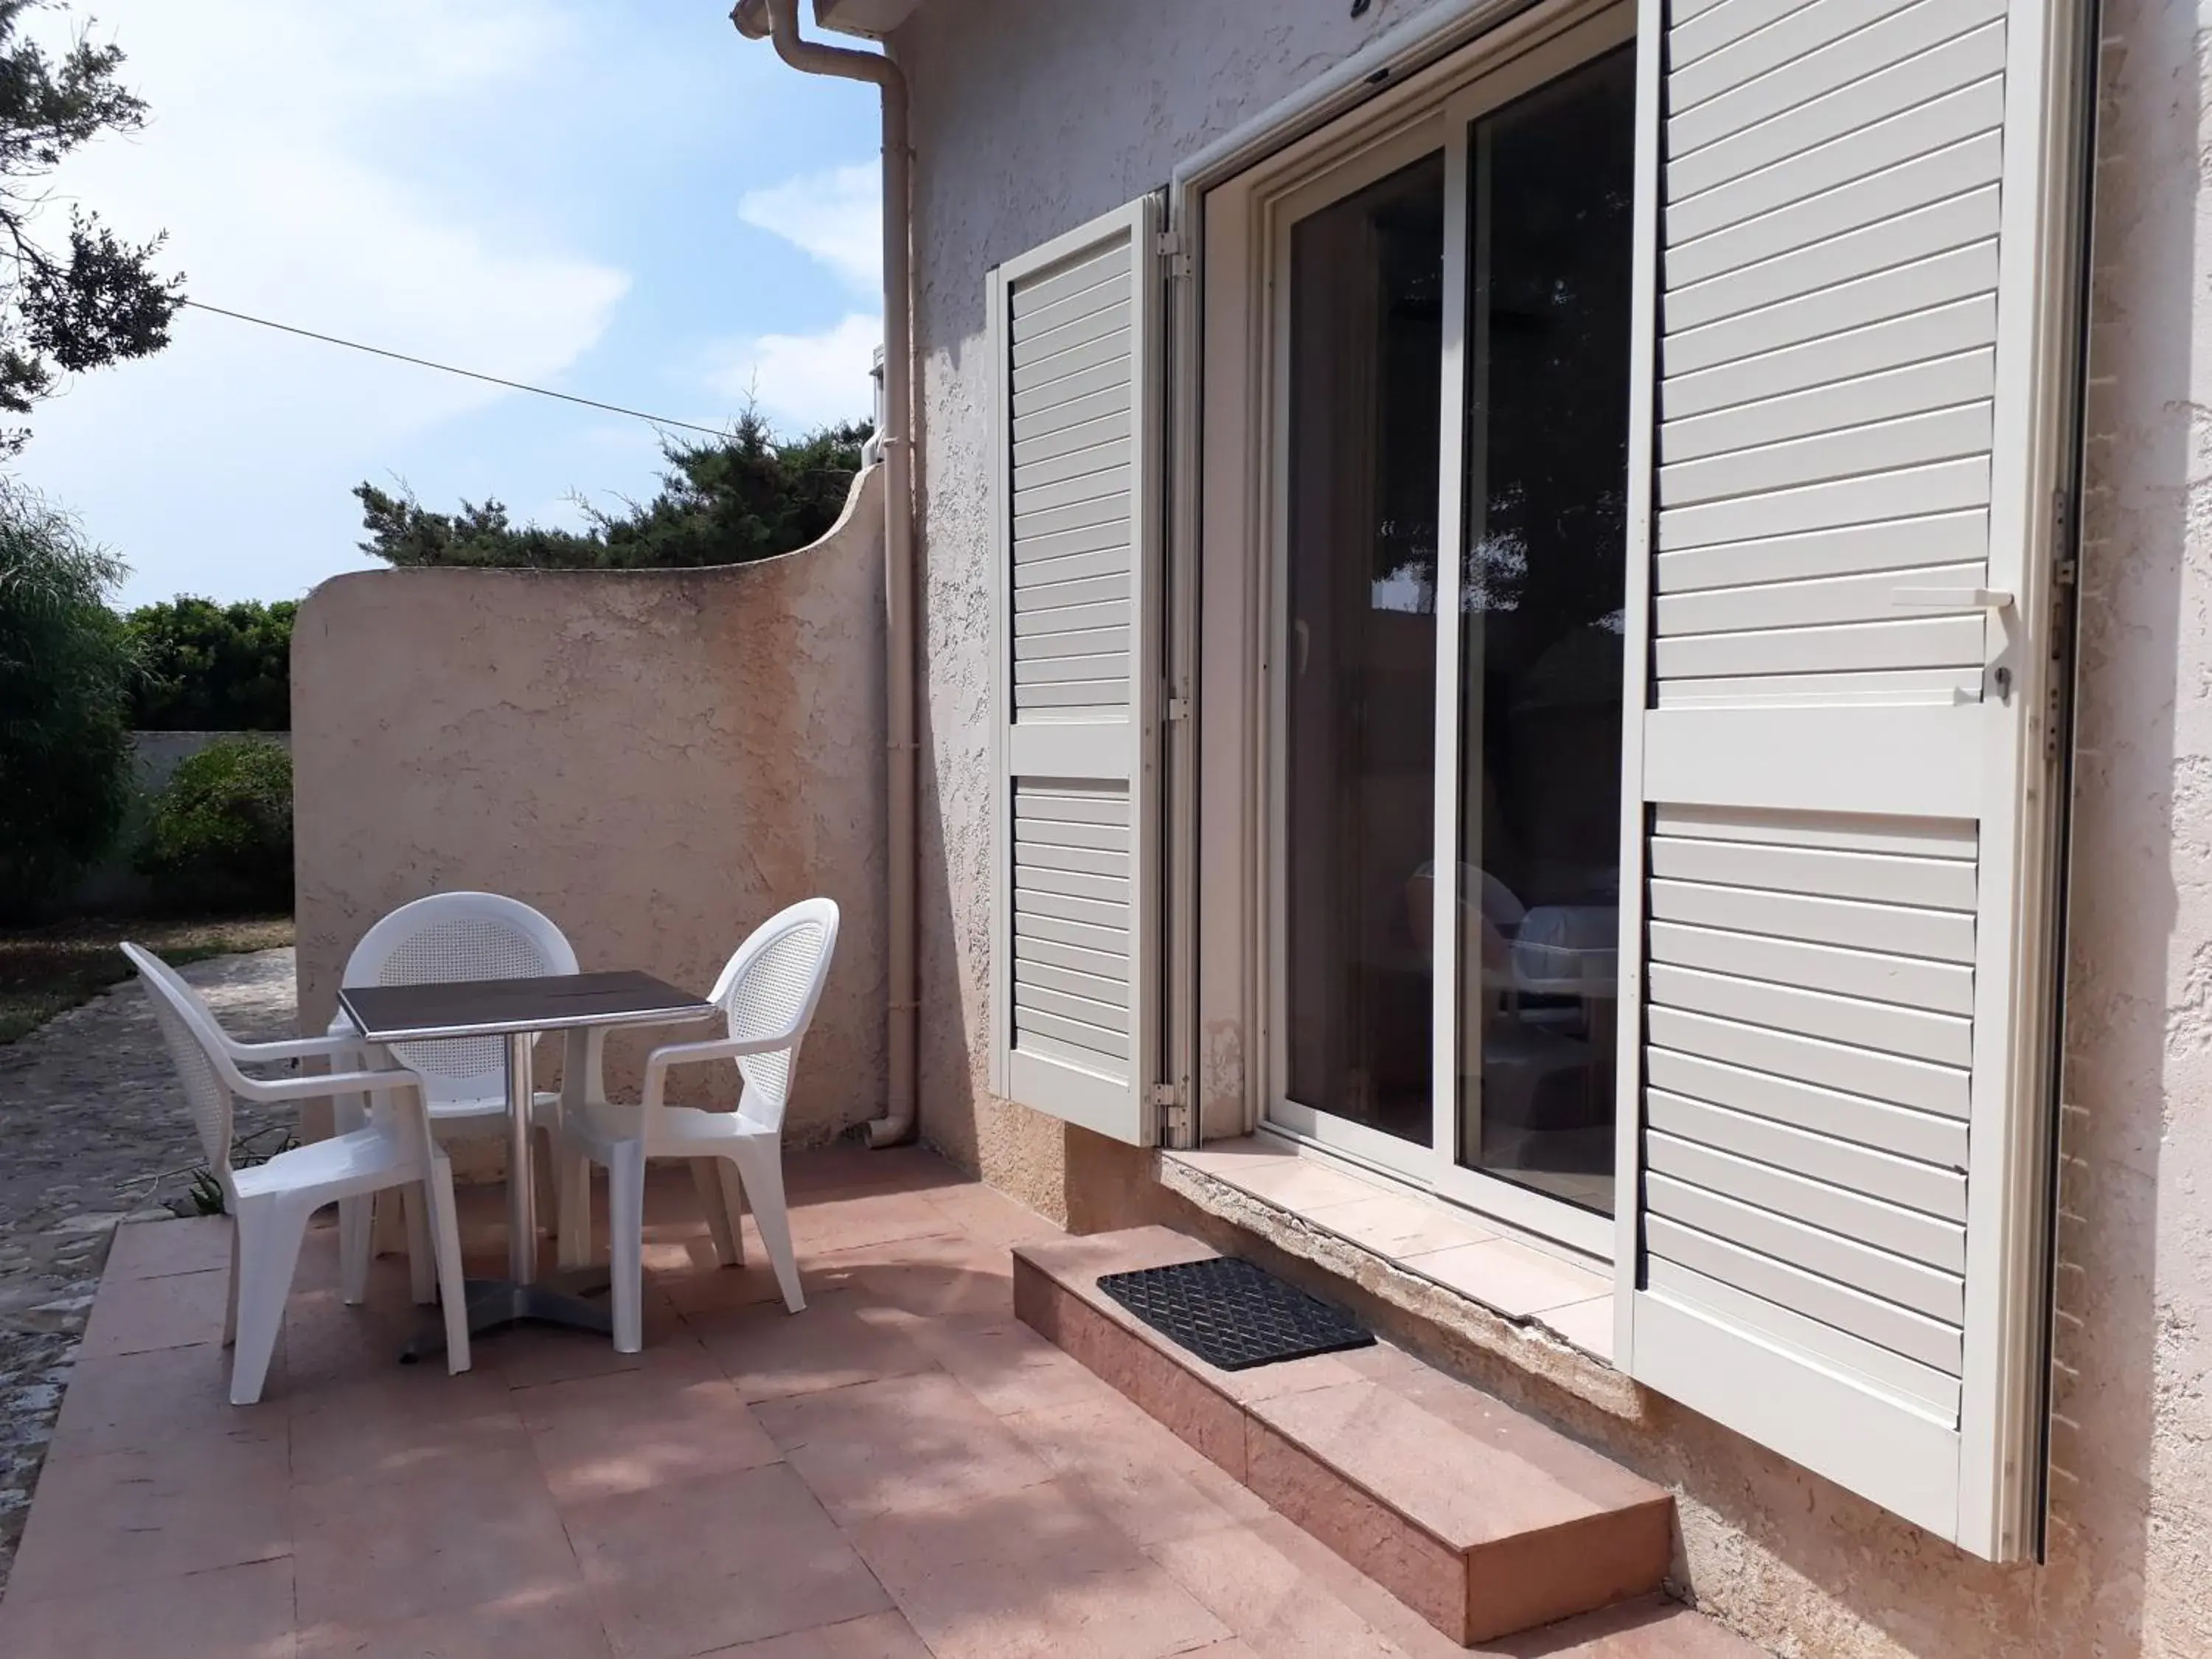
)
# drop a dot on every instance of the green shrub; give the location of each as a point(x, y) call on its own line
point(209, 667)
point(64, 666)
point(220, 836)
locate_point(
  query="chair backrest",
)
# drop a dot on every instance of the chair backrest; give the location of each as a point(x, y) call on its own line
point(195, 1042)
point(457, 936)
point(773, 984)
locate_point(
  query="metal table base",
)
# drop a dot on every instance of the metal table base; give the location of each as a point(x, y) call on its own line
point(496, 1304)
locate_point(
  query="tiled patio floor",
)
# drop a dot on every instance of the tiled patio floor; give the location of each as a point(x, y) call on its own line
point(900, 1471)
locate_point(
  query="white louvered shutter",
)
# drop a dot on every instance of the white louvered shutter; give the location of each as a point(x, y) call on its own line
point(1075, 350)
point(1861, 294)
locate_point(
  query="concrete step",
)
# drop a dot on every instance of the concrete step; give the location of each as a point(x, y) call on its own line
point(1482, 1519)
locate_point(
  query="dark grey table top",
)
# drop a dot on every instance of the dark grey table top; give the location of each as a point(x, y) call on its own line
point(490, 1007)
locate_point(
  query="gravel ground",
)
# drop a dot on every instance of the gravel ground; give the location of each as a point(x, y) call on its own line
point(95, 1131)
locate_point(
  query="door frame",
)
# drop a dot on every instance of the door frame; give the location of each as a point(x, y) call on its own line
point(1240, 401)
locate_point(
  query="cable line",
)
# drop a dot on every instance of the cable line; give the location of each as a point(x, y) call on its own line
point(448, 368)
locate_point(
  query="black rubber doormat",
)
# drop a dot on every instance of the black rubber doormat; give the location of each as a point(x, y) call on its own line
point(1234, 1314)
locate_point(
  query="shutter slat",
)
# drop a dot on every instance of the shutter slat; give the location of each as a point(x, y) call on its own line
point(1923, 1137)
point(1910, 441)
point(1820, 1200)
point(1967, 377)
point(1893, 544)
point(1853, 59)
point(1939, 331)
point(1912, 981)
point(1836, 1159)
point(1912, 81)
point(1859, 1267)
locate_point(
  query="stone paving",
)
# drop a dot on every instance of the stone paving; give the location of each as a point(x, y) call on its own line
point(92, 1132)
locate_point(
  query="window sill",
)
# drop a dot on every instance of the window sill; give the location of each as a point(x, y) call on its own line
point(1537, 1307)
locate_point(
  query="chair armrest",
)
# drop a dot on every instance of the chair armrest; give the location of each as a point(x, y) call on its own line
point(330, 1047)
point(313, 1088)
point(692, 1053)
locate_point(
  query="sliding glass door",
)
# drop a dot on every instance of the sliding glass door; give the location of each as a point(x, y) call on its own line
point(1451, 326)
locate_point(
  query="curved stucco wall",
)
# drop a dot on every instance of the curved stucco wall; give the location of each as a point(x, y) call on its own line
point(658, 760)
point(1031, 119)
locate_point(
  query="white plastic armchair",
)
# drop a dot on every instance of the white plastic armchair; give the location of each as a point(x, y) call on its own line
point(768, 993)
point(443, 937)
point(270, 1203)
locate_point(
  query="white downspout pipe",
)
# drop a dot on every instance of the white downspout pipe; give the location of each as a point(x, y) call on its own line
point(896, 438)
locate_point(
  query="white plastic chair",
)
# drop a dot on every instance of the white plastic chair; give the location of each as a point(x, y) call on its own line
point(768, 992)
point(270, 1203)
point(445, 937)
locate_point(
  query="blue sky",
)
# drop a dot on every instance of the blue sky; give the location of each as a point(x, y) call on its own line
point(619, 198)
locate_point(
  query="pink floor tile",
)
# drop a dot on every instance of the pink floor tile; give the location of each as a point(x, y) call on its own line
point(162, 1249)
point(400, 1418)
point(136, 1316)
point(835, 1344)
point(878, 1635)
point(841, 1221)
point(1006, 1366)
point(230, 1613)
point(554, 1624)
point(456, 1532)
point(1265, 1598)
point(1132, 1470)
point(599, 1437)
point(1029, 1572)
point(903, 1444)
point(691, 1567)
point(126, 1517)
point(162, 1398)
point(932, 1276)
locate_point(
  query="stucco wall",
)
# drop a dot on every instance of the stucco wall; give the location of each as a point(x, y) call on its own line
point(1031, 119)
point(658, 760)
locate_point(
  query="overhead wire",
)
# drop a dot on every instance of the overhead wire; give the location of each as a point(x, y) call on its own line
point(450, 368)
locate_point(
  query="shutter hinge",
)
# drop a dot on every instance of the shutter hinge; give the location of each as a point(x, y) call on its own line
point(2062, 520)
point(1174, 249)
point(1178, 708)
point(1173, 1101)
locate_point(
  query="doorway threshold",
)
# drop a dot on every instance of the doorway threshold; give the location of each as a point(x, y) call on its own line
point(1529, 1301)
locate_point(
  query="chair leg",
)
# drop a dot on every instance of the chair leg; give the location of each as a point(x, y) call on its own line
point(761, 1165)
point(626, 1243)
point(572, 1200)
point(230, 1311)
point(421, 1260)
point(446, 1244)
point(734, 1206)
point(544, 1168)
point(269, 1235)
point(729, 1242)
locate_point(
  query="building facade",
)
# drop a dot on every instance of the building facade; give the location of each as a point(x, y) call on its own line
point(1517, 597)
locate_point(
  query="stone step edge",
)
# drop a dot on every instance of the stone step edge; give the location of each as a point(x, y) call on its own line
point(1458, 1590)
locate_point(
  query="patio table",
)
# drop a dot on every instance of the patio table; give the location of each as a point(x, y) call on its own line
point(519, 1010)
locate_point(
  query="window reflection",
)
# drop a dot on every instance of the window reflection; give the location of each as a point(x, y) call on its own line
point(1366, 327)
point(1542, 570)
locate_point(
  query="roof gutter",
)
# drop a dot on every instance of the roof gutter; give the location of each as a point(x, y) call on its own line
point(894, 437)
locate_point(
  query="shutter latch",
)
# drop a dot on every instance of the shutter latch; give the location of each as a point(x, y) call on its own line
point(1174, 249)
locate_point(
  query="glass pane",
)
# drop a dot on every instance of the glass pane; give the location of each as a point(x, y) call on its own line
point(1551, 180)
point(1365, 371)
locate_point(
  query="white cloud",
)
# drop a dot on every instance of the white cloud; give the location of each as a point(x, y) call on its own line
point(802, 381)
point(266, 159)
point(837, 215)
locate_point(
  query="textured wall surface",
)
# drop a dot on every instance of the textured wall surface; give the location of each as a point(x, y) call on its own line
point(658, 760)
point(1031, 119)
